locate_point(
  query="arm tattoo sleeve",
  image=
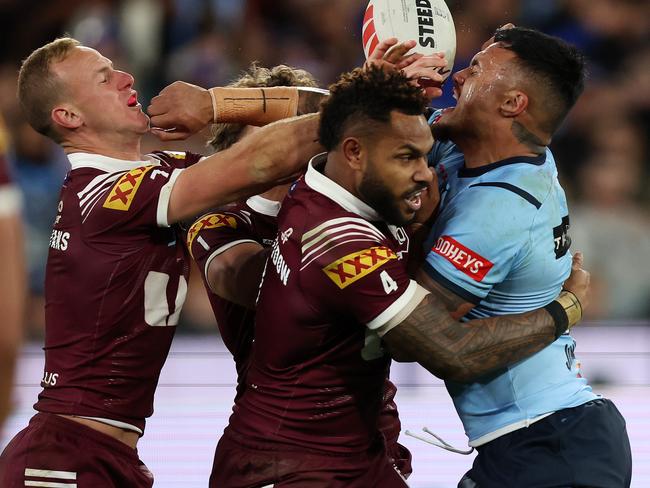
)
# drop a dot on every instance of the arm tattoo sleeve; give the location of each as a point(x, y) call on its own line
point(465, 351)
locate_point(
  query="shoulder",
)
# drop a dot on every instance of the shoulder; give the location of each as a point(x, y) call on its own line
point(177, 159)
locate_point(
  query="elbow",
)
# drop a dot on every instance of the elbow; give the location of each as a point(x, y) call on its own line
point(451, 368)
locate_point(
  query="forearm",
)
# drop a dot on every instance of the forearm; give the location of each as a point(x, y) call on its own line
point(466, 351)
point(272, 155)
point(237, 277)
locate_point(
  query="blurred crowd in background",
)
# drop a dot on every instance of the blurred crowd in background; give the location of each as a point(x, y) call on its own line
point(602, 151)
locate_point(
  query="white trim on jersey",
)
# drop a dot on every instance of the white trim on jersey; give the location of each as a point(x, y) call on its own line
point(55, 479)
point(399, 309)
point(11, 200)
point(320, 183)
point(163, 198)
point(264, 206)
point(220, 250)
point(49, 484)
point(96, 185)
point(104, 163)
point(312, 235)
point(114, 423)
point(333, 236)
point(334, 246)
point(507, 429)
point(88, 207)
point(46, 473)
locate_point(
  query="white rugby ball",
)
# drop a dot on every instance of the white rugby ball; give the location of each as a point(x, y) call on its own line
point(428, 22)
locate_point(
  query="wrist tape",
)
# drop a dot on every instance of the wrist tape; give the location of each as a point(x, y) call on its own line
point(565, 310)
point(253, 106)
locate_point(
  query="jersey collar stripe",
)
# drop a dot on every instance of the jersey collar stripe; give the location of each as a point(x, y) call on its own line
point(96, 183)
point(334, 222)
point(338, 237)
point(328, 249)
point(320, 183)
point(97, 193)
point(332, 231)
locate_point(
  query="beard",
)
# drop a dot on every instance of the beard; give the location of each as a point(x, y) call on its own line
point(377, 194)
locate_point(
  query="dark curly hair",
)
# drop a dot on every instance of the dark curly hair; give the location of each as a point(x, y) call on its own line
point(225, 135)
point(366, 95)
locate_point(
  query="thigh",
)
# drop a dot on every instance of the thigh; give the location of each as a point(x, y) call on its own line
point(62, 452)
point(237, 466)
point(585, 446)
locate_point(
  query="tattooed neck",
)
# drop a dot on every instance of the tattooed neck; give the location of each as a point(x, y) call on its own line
point(528, 139)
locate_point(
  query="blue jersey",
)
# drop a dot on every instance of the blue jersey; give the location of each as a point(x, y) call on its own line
point(501, 242)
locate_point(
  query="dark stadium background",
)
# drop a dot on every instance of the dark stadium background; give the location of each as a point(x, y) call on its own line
point(602, 151)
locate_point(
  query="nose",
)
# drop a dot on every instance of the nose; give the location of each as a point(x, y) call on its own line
point(423, 173)
point(459, 78)
point(125, 80)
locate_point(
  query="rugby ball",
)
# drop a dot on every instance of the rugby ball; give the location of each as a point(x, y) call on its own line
point(428, 22)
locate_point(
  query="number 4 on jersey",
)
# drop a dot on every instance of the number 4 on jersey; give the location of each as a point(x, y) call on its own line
point(390, 285)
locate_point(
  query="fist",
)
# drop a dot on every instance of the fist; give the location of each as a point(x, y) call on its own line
point(180, 110)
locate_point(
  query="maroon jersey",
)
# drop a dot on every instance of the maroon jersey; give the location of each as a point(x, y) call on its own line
point(254, 220)
point(334, 279)
point(115, 283)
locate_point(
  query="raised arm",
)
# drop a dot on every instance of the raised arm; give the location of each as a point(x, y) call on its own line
point(272, 155)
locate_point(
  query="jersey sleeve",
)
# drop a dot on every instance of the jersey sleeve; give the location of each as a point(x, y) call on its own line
point(364, 280)
point(216, 232)
point(474, 245)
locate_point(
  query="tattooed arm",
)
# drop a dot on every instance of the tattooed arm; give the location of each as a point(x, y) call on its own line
point(465, 351)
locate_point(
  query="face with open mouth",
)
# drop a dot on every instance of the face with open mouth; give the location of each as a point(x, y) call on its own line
point(103, 95)
point(396, 172)
point(478, 90)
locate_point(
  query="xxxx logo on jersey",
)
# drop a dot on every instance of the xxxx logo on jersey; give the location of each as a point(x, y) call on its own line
point(350, 268)
point(124, 191)
point(209, 221)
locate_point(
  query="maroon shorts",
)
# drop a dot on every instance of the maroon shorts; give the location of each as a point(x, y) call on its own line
point(242, 466)
point(55, 451)
point(401, 458)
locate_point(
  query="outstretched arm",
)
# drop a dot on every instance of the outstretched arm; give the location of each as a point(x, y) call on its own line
point(272, 155)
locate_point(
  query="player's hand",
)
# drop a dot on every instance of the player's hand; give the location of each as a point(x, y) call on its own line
point(425, 71)
point(578, 281)
point(422, 70)
point(180, 110)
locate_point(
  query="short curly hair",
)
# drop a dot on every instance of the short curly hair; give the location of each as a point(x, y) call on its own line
point(225, 135)
point(366, 95)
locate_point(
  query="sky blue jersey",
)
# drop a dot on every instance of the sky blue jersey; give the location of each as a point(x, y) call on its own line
point(501, 242)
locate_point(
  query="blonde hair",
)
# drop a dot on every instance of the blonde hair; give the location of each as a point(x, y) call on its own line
point(225, 135)
point(39, 89)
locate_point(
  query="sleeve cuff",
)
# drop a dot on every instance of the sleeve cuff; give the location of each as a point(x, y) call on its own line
point(163, 199)
point(398, 310)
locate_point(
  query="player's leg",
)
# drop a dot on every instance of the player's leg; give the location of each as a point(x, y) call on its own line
point(597, 445)
point(584, 446)
point(54, 451)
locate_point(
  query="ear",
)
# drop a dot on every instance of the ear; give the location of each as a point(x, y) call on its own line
point(515, 102)
point(66, 116)
point(352, 149)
